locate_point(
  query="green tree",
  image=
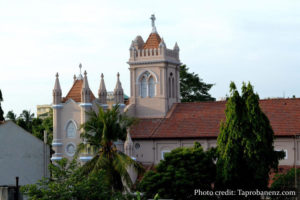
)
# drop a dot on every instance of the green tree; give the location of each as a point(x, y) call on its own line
point(192, 88)
point(183, 170)
point(1, 111)
point(245, 143)
point(286, 182)
point(67, 183)
point(100, 132)
point(11, 116)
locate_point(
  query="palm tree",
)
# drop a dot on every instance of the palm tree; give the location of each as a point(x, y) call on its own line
point(101, 131)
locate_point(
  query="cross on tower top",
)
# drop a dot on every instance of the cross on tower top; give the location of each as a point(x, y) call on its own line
point(153, 23)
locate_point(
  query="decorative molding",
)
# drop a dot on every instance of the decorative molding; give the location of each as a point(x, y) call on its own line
point(56, 106)
point(85, 158)
point(86, 105)
point(153, 62)
point(54, 158)
point(57, 144)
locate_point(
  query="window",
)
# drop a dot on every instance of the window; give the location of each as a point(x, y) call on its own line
point(151, 87)
point(285, 151)
point(163, 153)
point(70, 149)
point(71, 130)
point(173, 88)
point(144, 87)
point(147, 85)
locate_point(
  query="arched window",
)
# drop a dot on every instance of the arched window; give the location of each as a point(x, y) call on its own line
point(71, 130)
point(151, 87)
point(143, 87)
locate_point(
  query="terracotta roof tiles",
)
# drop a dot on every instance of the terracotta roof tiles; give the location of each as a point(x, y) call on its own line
point(75, 92)
point(152, 41)
point(202, 119)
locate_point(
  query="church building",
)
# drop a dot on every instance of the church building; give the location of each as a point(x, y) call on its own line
point(164, 122)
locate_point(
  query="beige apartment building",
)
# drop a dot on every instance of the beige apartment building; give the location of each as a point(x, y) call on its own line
point(165, 123)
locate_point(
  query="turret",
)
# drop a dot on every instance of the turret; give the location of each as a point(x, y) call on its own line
point(85, 91)
point(118, 92)
point(102, 93)
point(57, 91)
point(57, 106)
point(85, 99)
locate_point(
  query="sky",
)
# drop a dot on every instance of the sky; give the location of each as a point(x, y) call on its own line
point(221, 41)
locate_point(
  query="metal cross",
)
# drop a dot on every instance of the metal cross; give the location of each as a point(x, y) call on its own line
point(153, 20)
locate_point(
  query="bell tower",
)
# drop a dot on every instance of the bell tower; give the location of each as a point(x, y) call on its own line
point(154, 76)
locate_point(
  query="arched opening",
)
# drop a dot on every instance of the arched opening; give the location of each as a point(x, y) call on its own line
point(143, 87)
point(151, 87)
point(71, 130)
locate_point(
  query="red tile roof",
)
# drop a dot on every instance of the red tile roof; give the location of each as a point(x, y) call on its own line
point(75, 92)
point(152, 41)
point(202, 119)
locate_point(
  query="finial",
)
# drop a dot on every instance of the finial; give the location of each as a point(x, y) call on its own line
point(56, 75)
point(153, 23)
point(118, 74)
point(102, 76)
point(80, 66)
point(85, 73)
point(74, 77)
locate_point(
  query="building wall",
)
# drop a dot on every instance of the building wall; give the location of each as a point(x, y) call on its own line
point(21, 154)
point(151, 151)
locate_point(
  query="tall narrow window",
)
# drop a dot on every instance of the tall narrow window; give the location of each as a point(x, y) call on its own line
point(144, 87)
point(170, 88)
point(151, 87)
point(173, 88)
point(71, 130)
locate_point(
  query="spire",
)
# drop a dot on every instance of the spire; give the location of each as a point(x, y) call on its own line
point(118, 91)
point(176, 47)
point(85, 91)
point(153, 23)
point(102, 93)
point(162, 43)
point(57, 91)
point(128, 145)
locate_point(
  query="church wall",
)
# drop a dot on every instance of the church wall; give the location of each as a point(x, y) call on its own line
point(70, 111)
point(150, 151)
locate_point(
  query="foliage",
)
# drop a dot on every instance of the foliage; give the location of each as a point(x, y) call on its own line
point(11, 116)
point(192, 88)
point(245, 143)
point(285, 182)
point(183, 170)
point(68, 183)
point(1, 111)
point(101, 131)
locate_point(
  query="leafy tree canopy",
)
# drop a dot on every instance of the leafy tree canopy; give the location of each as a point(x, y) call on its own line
point(192, 88)
point(68, 183)
point(286, 182)
point(182, 170)
point(245, 143)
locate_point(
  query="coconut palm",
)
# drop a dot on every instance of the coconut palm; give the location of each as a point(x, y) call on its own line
point(100, 132)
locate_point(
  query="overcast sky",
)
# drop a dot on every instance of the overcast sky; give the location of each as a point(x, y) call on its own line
point(222, 41)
